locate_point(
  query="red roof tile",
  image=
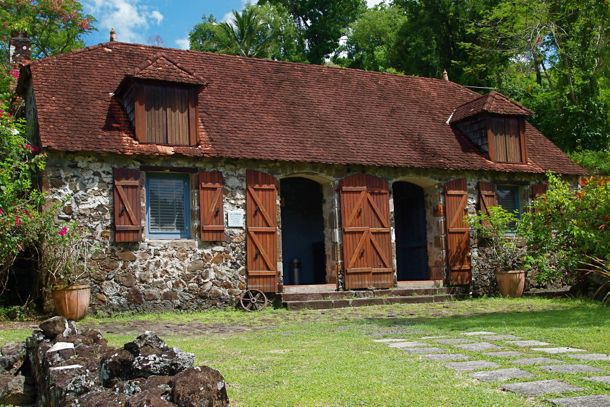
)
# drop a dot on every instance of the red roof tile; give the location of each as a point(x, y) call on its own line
point(259, 109)
point(493, 102)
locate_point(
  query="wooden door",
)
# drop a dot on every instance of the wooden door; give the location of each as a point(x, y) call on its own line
point(261, 225)
point(367, 243)
point(458, 232)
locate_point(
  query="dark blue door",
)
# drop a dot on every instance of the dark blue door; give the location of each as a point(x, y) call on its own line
point(410, 230)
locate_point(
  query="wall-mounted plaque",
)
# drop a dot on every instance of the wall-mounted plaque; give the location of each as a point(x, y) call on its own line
point(235, 219)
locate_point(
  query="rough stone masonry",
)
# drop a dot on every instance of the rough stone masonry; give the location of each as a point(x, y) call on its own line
point(62, 366)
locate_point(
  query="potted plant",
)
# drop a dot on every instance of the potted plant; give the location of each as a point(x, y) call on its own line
point(504, 249)
point(64, 260)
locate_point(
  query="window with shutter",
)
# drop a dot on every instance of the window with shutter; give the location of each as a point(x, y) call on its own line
point(509, 198)
point(165, 114)
point(167, 206)
point(505, 135)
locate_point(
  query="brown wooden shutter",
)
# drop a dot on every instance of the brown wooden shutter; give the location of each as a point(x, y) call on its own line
point(211, 202)
point(140, 114)
point(367, 243)
point(127, 205)
point(458, 232)
point(487, 196)
point(193, 118)
point(261, 225)
point(539, 189)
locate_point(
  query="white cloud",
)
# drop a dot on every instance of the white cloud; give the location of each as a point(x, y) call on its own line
point(183, 43)
point(157, 16)
point(130, 18)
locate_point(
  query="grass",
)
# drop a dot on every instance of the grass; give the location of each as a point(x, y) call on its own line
point(328, 358)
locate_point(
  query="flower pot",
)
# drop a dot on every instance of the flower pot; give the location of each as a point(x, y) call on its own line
point(511, 283)
point(72, 302)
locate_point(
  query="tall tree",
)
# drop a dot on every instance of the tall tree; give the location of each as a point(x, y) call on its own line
point(263, 31)
point(371, 42)
point(321, 23)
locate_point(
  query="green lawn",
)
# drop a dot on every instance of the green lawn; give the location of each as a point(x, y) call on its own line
point(328, 358)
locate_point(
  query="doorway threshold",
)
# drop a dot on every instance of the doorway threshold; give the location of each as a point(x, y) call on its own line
point(309, 288)
point(420, 284)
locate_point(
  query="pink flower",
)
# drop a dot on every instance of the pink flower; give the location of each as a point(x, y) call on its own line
point(1, 212)
point(17, 221)
point(63, 231)
point(28, 147)
point(15, 73)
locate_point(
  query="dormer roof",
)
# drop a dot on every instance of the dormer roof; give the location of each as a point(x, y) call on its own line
point(162, 68)
point(494, 102)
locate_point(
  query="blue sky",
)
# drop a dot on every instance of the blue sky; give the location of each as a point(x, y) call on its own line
point(141, 21)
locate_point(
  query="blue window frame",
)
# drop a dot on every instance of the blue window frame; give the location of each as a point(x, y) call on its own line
point(167, 206)
point(509, 198)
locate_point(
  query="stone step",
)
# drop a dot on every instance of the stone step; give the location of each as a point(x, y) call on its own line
point(336, 295)
point(360, 302)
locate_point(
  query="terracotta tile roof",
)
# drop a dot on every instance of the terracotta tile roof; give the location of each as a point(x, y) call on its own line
point(259, 109)
point(161, 68)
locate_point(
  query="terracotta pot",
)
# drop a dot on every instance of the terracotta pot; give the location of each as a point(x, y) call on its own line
point(511, 283)
point(72, 302)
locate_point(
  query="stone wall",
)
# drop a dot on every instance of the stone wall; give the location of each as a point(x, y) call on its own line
point(191, 274)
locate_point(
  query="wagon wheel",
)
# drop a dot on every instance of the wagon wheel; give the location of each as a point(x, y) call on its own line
point(253, 300)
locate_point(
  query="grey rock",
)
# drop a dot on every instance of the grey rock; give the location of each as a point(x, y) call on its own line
point(527, 344)
point(12, 356)
point(589, 356)
point(54, 326)
point(454, 341)
point(478, 333)
point(500, 337)
point(558, 350)
point(571, 369)
point(147, 343)
point(536, 361)
point(540, 387)
point(15, 391)
point(421, 351)
point(407, 344)
point(599, 379)
point(479, 346)
point(447, 356)
point(501, 375)
point(503, 354)
point(200, 386)
point(471, 365)
point(599, 400)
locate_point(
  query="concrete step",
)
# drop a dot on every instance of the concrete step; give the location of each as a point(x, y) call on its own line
point(337, 295)
point(363, 301)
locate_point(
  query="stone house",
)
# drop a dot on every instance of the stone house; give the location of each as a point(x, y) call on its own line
point(204, 174)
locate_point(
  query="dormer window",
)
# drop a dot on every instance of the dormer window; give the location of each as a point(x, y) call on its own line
point(165, 114)
point(160, 99)
point(495, 125)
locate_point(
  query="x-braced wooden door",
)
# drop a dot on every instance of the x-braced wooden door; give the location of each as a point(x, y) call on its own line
point(261, 225)
point(367, 243)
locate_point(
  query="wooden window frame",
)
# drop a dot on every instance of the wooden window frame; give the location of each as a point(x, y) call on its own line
point(182, 234)
point(139, 113)
point(491, 139)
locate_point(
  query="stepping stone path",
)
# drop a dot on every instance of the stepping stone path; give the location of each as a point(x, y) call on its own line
point(589, 356)
point(479, 346)
point(472, 365)
point(540, 387)
point(503, 354)
point(571, 369)
point(600, 379)
point(600, 400)
point(557, 351)
point(447, 356)
point(527, 344)
point(484, 370)
point(535, 361)
point(501, 375)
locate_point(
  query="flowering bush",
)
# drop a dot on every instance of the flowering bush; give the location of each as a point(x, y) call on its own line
point(565, 227)
point(64, 254)
point(20, 199)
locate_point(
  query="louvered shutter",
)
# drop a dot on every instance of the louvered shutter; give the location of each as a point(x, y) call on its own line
point(261, 226)
point(458, 232)
point(367, 243)
point(127, 205)
point(487, 196)
point(211, 202)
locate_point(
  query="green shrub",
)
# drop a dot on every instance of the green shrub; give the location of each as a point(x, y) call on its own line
point(596, 162)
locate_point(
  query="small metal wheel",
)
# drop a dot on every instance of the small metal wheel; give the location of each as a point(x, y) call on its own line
point(253, 300)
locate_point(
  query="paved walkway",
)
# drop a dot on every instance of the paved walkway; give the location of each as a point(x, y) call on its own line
point(521, 362)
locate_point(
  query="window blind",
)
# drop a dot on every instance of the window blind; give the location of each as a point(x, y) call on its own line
point(167, 204)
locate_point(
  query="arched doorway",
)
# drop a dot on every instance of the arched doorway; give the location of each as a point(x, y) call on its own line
point(410, 232)
point(303, 255)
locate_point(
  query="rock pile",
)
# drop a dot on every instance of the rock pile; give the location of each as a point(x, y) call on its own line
point(70, 367)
